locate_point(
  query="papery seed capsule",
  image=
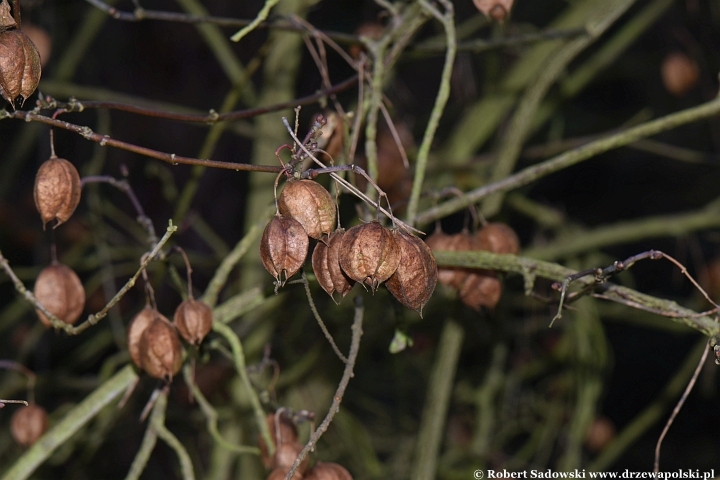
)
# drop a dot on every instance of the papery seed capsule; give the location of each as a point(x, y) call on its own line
point(369, 254)
point(440, 240)
point(137, 327)
point(495, 9)
point(283, 247)
point(679, 73)
point(57, 190)
point(342, 283)
point(6, 19)
point(193, 319)
point(498, 238)
point(309, 203)
point(481, 290)
point(413, 283)
point(458, 242)
point(60, 291)
point(28, 424)
point(320, 268)
point(282, 430)
point(327, 471)
point(19, 67)
point(160, 349)
point(280, 473)
point(286, 454)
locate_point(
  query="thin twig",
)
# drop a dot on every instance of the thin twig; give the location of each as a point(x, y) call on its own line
point(319, 319)
point(572, 157)
point(157, 423)
point(240, 366)
point(678, 407)
point(337, 398)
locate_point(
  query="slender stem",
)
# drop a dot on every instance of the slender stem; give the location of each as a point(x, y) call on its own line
point(261, 17)
point(432, 426)
point(448, 21)
point(337, 398)
point(240, 366)
point(572, 157)
point(531, 268)
point(157, 423)
point(211, 417)
point(319, 319)
point(31, 378)
point(678, 407)
point(148, 443)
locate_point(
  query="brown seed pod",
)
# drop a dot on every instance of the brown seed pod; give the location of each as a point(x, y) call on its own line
point(286, 454)
point(600, 432)
point(57, 190)
point(371, 30)
point(413, 283)
point(281, 427)
point(193, 319)
point(137, 327)
point(279, 474)
point(326, 266)
point(679, 73)
point(333, 135)
point(283, 247)
point(327, 471)
point(369, 254)
point(28, 424)
point(495, 9)
point(19, 67)
point(60, 291)
point(498, 238)
point(457, 242)
point(160, 349)
point(309, 203)
point(481, 290)
point(41, 39)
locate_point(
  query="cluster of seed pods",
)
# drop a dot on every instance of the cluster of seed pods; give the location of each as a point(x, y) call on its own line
point(287, 448)
point(477, 288)
point(370, 253)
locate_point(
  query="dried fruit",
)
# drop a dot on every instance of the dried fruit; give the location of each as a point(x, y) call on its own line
point(328, 471)
point(279, 474)
point(6, 19)
point(193, 319)
point(286, 454)
point(414, 280)
point(481, 290)
point(458, 242)
point(28, 424)
point(309, 203)
point(498, 10)
point(333, 135)
point(326, 265)
point(137, 327)
point(60, 291)
point(679, 73)
point(600, 432)
point(498, 238)
point(283, 247)
point(160, 349)
point(281, 427)
point(369, 254)
point(19, 65)
point(371, 30)
point(41, 39)
point(57, 190)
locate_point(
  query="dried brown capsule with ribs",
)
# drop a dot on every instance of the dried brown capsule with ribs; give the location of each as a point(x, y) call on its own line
point(282, 430)
point(28, 424)
point(498, 238)
point(283, 247)
point(327, 471)
point(369, 254)
point(309, 203)
point(20, 68)
point(60, 291)
point(326, 265)
point(57, 190)
point(193, 319)
point(481, 289)
point(413, 283)
point(160, 349)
